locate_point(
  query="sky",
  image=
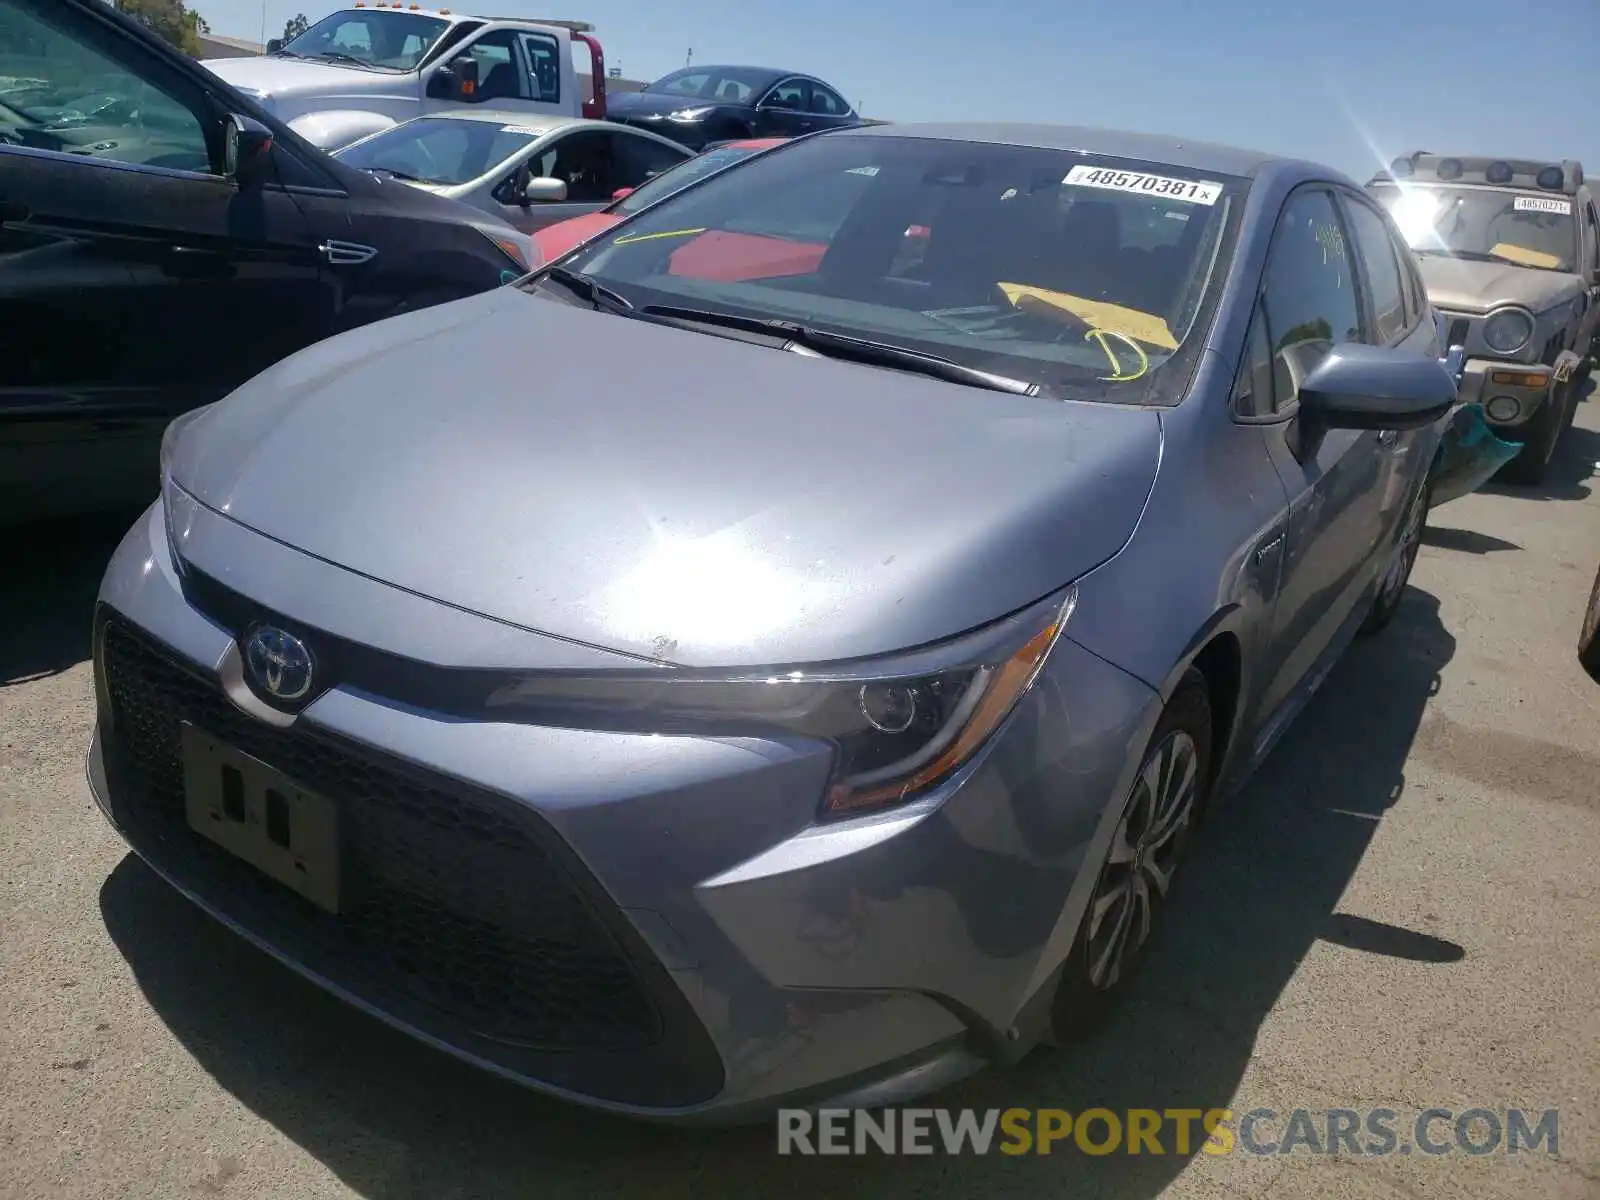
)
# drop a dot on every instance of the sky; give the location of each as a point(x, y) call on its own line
point(1350, 84)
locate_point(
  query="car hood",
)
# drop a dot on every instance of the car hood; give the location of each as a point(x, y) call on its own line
point(555, 240)
point(639, 104)
point(665, 493)
point(269, 76)
point(1460, 285)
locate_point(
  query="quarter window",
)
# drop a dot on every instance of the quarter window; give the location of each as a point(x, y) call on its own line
point(1309, 295)
point(1382, 271)
point(73, 99)
point(1252, 391)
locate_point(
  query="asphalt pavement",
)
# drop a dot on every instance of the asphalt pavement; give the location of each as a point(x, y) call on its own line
point(1399, 913)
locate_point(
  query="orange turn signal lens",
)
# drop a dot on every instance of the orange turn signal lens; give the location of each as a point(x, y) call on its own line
point(1525, 379)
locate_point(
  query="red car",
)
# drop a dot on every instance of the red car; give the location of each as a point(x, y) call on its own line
point(556, 240)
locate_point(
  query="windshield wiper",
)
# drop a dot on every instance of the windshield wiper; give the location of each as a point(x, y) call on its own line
point(280, 53)
point(852, 349)
point(390, 171)
point(596, 293)
point(1469, 255)
point(341, 56)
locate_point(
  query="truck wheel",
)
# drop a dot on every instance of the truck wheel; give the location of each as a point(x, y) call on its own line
point(1530, 466)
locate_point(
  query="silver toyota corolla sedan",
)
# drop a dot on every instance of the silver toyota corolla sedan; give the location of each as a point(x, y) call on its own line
point(792, 675)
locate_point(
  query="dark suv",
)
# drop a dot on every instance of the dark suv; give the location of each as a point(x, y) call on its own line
point(163, 239)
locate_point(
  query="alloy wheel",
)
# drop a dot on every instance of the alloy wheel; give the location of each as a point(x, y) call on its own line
point(1144, 855)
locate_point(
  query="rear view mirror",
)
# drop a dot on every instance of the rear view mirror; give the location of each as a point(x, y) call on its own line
point(1375, 387)
point(246, 150)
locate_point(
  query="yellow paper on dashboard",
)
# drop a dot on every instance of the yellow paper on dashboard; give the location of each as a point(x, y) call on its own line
point(1524, 257)
point(1100, 314)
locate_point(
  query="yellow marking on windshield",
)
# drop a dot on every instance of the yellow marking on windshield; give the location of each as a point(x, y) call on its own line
point(1524, 257)
point(629, 239)
point(1102, 338)
point(1115, 318)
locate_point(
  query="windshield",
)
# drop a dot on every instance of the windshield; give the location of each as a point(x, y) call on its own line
point(1528, 229)
point(732, 84)
point(370, 37)
point(681, 176)
point(440, 149)
point(1080, 274)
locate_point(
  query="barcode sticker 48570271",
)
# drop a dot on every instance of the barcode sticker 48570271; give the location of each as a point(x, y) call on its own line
point(1158, 187)
point(1544, 204)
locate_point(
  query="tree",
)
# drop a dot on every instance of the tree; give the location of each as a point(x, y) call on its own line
point(170, 20)
point(295, 26)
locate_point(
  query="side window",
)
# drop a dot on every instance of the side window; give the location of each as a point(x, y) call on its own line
point(1252, 390)
point(790, 94)
point(829, 104)
point(498, 75)
point(639, 159)
point(687, 85)
point(1594, 234)
point(583, 162)
point(99, 99)
point(544, 67)
point(1309, 295)
point(1382, 269)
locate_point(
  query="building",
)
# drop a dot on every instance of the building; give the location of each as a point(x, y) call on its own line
point(214, 45)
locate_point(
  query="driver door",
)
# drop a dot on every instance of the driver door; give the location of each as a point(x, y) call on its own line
point(785, 111)
point(585, 160)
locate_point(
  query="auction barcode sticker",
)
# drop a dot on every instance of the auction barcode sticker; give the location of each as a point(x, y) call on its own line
point(1190, 191)
point(1544, 204)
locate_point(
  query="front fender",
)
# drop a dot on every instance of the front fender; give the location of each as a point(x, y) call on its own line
point(335, 129)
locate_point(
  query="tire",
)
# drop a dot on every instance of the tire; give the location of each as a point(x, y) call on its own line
point(1093, 983)
point(1589, 638)
point(1530, 467)
point(1392, 585)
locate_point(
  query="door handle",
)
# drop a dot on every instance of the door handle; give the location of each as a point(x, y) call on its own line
point(1386, 437)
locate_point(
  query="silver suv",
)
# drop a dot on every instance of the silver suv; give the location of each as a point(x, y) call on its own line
point(1510, 254)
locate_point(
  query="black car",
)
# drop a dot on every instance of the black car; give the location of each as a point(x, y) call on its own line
point(698, 105)
point(163, 239)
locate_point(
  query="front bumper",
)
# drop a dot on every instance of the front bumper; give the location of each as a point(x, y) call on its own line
point(650, 925)
point(1496, 384)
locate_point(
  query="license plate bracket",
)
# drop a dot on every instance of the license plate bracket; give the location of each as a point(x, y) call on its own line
point(260, 815)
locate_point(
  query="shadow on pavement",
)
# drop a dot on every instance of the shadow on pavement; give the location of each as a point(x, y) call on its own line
point(1464, 541)
point(398, 1121)
point(47, 601)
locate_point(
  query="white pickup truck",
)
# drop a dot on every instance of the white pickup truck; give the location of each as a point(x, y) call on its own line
point(371, 66)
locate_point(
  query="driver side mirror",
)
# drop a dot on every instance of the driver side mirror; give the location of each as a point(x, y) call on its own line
point(1371, 387)
point(274, 45)
point(246, 151)
point(455, 80)
point(527, 188)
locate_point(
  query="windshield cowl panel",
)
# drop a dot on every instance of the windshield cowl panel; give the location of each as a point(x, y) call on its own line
point(1081, 275)
point(1532, 230)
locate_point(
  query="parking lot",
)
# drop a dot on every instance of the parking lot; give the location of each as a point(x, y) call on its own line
point(1399, 912)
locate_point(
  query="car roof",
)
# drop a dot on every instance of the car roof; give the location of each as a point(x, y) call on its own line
point(1179, 152)
point(714, 68)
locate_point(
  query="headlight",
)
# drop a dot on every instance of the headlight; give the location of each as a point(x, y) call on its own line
point(900, 727)
point(1508, 330)
point(689, 114)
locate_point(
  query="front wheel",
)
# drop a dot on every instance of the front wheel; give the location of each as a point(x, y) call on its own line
point(1135, 880)
point(1530, 466)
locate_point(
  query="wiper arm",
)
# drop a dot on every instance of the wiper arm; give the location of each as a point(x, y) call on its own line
point(341, 56)
point(852, 349)
point(390, 171)
point(591, 289)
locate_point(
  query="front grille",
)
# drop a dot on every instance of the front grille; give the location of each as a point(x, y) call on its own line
point(455, 904)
